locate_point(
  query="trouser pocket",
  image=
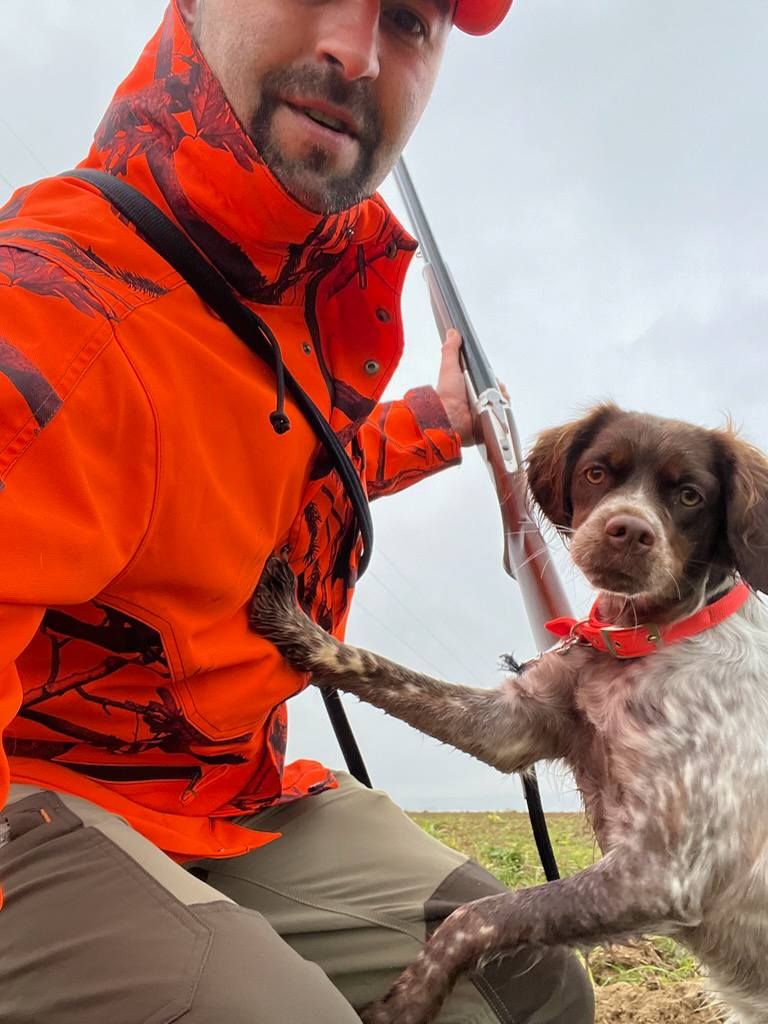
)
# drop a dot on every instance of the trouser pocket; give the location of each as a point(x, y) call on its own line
point(35, 820)
point(87, 935)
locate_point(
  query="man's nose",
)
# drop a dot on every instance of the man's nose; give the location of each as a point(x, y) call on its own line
point(350, 37)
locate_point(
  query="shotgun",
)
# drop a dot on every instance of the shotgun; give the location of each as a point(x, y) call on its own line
point(526, 553)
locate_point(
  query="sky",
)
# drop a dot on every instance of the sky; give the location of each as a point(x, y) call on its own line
point(596, 175)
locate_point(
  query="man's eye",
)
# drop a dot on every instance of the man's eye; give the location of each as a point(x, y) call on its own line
point(407, 22)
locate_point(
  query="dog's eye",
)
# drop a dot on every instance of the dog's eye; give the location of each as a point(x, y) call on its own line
point(594, 474)
point(690, 497)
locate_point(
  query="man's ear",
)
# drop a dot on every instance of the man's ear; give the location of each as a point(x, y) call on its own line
point(746, 509)
point(553, 458)
point(189, 10)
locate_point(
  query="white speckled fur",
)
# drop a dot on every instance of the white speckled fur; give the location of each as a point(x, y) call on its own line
point(669, 751)
point(694, 780)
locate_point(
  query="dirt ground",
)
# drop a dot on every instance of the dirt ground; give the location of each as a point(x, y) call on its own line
point(646, 999)
point(682, 1003)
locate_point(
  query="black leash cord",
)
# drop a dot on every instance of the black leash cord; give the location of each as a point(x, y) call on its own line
point(539, 826)
point(345, 737)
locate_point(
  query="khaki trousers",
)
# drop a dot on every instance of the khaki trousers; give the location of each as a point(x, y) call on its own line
point(101, 927)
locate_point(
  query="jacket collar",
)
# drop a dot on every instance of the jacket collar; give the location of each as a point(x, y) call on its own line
point(171, 132)
point(646, 638)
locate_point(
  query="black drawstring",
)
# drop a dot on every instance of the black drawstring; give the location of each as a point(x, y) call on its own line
point(279, 419)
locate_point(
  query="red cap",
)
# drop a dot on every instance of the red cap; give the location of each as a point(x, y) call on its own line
point(479, 17)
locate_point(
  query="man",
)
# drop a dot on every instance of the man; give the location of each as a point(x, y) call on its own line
point(163, 863)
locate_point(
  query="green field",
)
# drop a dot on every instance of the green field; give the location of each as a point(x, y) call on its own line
point(650, 981)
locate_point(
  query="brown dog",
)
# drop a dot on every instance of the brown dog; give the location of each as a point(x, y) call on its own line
point(658, 703)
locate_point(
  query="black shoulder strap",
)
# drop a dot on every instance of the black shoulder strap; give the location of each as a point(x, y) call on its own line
point(176, 249)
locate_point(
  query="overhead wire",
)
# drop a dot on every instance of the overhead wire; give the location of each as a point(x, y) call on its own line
point(12, 131)
point(401, 640)
point(447, 647)
point(26, 147)
point(412, 586)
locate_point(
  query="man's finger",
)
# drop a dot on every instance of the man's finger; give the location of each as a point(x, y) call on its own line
point(450, 351)
point(452, 341)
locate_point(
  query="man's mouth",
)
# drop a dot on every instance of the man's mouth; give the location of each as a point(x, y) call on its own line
point(324, 115)
point(329, 122)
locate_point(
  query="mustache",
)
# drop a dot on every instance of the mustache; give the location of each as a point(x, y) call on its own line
point(309, 82)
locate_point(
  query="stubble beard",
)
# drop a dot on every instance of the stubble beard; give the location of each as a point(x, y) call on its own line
point(309, 178)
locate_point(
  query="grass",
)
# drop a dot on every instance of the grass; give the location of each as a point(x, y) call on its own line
point(502, 843)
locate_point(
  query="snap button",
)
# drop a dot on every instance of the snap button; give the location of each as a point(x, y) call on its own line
point(382, 315)
point(391, 249)
point(306, 348)
point(372, 367)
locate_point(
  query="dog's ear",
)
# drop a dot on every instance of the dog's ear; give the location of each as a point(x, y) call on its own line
point(746, 510)
point(553, 458)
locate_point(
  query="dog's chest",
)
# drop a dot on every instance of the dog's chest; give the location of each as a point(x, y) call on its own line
point(615, 708)
point(609, 694)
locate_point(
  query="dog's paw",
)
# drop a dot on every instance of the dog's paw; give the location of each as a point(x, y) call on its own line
point(274, 600)
point(393, 1010)
point(375, 1013)
point(274, 613)
point(378, 1013)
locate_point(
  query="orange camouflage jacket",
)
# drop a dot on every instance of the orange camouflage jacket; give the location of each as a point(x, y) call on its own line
point(141, 485)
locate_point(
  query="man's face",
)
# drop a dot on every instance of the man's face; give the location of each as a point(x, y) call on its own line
point(329, 90)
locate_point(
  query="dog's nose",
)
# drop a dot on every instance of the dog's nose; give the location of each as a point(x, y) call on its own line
point(629, 533)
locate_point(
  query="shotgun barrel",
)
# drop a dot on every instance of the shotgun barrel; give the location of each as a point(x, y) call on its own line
point(526, 554)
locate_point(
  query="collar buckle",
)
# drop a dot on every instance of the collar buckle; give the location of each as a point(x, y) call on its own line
point(649, 631)
point(576, 635)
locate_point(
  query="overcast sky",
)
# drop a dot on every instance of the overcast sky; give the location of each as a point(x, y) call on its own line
point(595, 173)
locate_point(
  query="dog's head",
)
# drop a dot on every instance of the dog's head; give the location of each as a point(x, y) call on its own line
point(654, 508)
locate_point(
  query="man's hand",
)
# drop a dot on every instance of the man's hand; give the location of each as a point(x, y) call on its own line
point(452, 389)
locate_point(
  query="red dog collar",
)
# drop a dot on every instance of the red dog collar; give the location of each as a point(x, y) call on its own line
point(637, 641)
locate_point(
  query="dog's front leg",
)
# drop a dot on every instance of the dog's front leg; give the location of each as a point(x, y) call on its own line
point(525, 720)
point(619, 896)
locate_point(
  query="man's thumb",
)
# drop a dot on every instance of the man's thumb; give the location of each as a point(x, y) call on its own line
point(451, 346)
